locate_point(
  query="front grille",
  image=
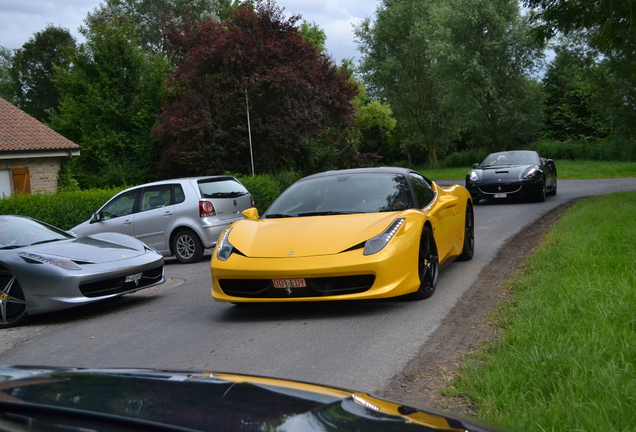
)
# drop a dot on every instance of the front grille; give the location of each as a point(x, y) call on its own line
point(118, 285)
point(500, 188)
point(316, 287)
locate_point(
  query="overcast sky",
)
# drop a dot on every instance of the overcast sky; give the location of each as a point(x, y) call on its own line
point(20, 19)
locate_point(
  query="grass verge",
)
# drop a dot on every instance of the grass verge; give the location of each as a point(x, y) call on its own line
point(564, 360)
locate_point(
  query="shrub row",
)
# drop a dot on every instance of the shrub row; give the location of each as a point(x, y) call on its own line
point(601, 149)
point(69, 208)
point(63, 210)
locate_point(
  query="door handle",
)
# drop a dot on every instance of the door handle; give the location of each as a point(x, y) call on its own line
point(168, 213)
point(127, 222)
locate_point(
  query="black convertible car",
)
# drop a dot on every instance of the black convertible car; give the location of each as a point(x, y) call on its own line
point(512, 174)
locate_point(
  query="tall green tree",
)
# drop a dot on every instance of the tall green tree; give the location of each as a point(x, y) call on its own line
point(255, 64)
point(150, 16)
point(376, 121)
point(610, 25)
point(398, 66)
point(570, 89)
point(6, 83)
point(110, 97)
point(610, 28)
point(313, 35)
point(32, 71)
point(486, 58)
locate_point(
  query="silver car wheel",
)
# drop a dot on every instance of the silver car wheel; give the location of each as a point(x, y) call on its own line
point(12, 301)
point(187, 247)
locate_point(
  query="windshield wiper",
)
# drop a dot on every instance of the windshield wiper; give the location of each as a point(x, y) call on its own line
point(46, 241)
point(278, 216)
point(327, 213)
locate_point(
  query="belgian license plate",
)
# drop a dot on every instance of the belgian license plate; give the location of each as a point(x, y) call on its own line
point(501, 195)
point(133, 278)
point(289, 283)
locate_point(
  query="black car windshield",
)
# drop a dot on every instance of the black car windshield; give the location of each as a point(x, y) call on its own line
point(343, 194)
point(16, 231)
point(522, 157)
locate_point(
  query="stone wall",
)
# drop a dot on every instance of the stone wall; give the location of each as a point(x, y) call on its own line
point(43, 172)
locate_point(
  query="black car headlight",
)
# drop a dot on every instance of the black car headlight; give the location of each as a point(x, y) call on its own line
point(473, 176)
point(377, 243)
point(531, 173)
point(224, 248)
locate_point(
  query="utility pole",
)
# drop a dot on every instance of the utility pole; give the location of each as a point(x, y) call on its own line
point(249, 129)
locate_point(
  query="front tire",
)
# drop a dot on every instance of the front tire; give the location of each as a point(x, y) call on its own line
point(554, 188)
point(12, 301)
point(427, 266)
point(468, 249)
point(187, 247)
point(542, 194)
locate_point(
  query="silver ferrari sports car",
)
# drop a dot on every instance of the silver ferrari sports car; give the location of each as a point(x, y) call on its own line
point(44, 269)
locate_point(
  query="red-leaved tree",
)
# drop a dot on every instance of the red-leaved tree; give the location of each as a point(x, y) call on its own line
point(256, 59)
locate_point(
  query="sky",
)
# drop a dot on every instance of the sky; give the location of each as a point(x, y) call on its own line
point(20, 19)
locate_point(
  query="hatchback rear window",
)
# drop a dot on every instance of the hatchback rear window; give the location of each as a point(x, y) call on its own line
point(224, 188)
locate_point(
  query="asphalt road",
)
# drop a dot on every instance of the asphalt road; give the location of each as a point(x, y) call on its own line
point(359, 345)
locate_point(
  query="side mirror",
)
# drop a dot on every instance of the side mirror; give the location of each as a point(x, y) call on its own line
point(97, 217)
point(475, 165)
point(250, 213)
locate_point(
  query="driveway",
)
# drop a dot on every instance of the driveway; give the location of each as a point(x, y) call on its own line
point(360, 345)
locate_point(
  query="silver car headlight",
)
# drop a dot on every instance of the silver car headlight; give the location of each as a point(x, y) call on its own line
point(377, 243)
point(531, 173)
point(45, 259)
point(473, 176)
point(224, 248)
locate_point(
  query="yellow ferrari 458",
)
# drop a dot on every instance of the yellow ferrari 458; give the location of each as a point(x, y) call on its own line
point(342, 235)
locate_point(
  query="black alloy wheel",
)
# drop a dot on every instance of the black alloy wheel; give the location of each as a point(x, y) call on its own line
point(554, 188)
point(427, 266)
point(12, 301)
point(469, 236)
point(542, 194)
point(187, 246)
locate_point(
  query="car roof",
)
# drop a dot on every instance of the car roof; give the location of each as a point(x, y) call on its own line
point(352, 171)
point(183, 179)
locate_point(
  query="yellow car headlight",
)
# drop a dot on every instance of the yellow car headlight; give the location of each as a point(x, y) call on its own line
point(224, 248)
point(377, 243)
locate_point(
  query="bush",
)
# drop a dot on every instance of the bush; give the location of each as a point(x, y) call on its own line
point(63, 210)
point(69, 208)
point(287, 178)
point(263, 187)
point(464, 159)
point(601, 149)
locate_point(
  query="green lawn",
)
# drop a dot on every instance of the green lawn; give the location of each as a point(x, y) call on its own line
point(566, 356)
point(566, 170)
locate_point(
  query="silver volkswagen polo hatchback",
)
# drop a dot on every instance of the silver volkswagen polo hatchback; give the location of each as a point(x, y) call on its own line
point(179, 217)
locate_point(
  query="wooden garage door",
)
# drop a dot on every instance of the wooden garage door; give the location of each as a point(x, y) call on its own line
point(21, 181)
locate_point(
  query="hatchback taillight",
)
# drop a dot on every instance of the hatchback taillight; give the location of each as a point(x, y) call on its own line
point(206, 209)
point(252, 202)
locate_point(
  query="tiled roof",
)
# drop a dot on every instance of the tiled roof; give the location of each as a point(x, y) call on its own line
point(20, 132)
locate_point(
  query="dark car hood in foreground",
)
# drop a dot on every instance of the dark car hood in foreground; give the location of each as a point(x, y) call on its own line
point(508, 172)
point(127, 399)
